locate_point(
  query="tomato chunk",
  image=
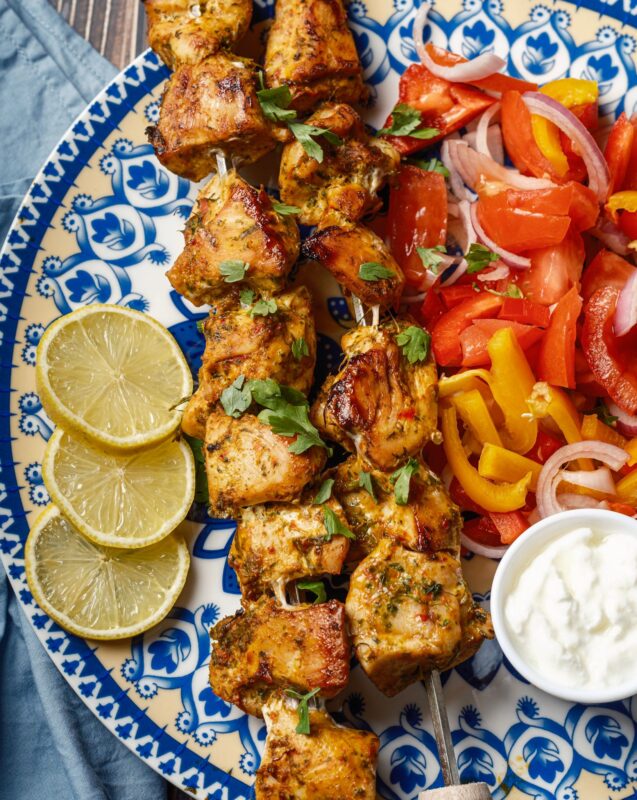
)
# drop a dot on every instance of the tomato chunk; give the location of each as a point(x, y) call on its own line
point(518, 138)
point(431, 310)
point(553, 270)
point(556, 359)
point(475, 338)
point(606, 269)
point(618, 151)
point(518, 230)
point(454, 295)
point(545, 445)
point(445, 335)
point(482, 531)
point(584, 208)
point(518, 309)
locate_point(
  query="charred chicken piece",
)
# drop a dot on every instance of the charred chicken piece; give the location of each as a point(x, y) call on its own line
point(410, 613)
point(330, 763)
point(257, 347)
point(185, 31)
point(428, 522)
point(343, 250)
point(247, 464)
point(264, 648)
point(379, 404)
point(281, 542)
point(210, 108)
point(344, 186)
point(234, 221)
point(311, 50)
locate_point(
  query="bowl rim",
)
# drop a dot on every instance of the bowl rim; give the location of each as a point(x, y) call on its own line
point(537, 537)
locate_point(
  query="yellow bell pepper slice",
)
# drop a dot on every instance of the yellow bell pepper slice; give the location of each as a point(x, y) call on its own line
point(463, 382)
point(475, 415)
point(621, 201)
point(500, 464)
point(631, 448)
point(550, 401)
point(627, 488)
point(593, 429)
point(572, 91)
point(492, 496)
point(547, 138)
point(511, 384)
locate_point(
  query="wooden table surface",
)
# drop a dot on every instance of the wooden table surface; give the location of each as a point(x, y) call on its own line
point(117, 30)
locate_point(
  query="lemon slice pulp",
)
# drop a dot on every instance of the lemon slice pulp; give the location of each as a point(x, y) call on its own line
point(114, 374)
point(100, 592)
point(120, 499)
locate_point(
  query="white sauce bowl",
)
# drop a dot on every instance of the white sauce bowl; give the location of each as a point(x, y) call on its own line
point(519, 555)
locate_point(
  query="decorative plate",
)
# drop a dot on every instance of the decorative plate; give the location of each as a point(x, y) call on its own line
point(102, 223)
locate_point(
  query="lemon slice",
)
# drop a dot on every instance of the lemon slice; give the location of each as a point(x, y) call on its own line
point(100, 592)
point(120, 499)
point(114, 374)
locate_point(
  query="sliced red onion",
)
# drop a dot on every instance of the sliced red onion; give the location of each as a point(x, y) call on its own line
point(473, 167)
point(626, 423)
point(482, 133)
point(478, 68)
point(599, 480)
point(568, 123)
point(455, 181)
point(500, 272)
point(626, 310)
point(482, 549)
point(611, 236)
point(468, 238)
point(512, 259)
point(419, 26)
point(551, 473)
point(568, 501)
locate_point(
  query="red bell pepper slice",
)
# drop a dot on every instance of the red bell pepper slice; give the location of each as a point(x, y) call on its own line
point(482, 531)
point(556, 359)
point(475, 338)
point(431, 310)
point(462, 499)
point(456, 294)
point(519, 309)
point(606, 269)
point(545, 445)
point(445, 336)
point(509, 525)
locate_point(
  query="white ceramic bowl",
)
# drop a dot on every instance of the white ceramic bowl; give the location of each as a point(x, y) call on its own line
point(520, 553)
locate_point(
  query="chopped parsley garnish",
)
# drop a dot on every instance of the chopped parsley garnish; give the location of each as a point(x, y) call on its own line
point(404, 122)
point(284, 210)
point(305, 135)
point(324, 493)
point(479, 257)
point(274, 102)
point(366, 482)
point(304, 711)
point(373, 271)
point(233, 270)
point(300, 349)
point(603, 414)
point(201, 479)
point(431, 165)
point(334, 526)
point(432, 588)
point(415, 343)
point(263, 307)
point(200, 325)
point(430, 256)
point(512, 290)
point(246, 297)
point(237, 398)
point(316, 587)
point(401, 478)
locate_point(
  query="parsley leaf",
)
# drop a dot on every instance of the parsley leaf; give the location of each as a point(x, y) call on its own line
point(430, 256)
point(401, 479)
point(237, 398)
point(415, 343)
point(270, 394)
point(300, 349)
point(404, 121)
point(432, 165)
point(432, 588)
point(373, 271)
point(316, 587)
point(233, 270)
point(200, 325)
point(304, 711)
point(305, 135)
point(283, 209)
point(479, 257)
point(366, 482)
point(246, 297)
point(334, 526)
point(324, 493)
point(201, 479)
point(274, 102)
point(603, 414)
point(512, 290)
point(263, 307)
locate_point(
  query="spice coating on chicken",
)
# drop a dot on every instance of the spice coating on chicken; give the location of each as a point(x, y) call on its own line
point(410, 613)
point(330, 763)
point(281, 542)
point(344, 186)
point(257, 347)
point(428, 522)
point(234, 221)
point(344, 249)
point(265, 647)
point(247, 464)
point(209, 108)
point(311, 49)
point(185, 31)
point(379, 404)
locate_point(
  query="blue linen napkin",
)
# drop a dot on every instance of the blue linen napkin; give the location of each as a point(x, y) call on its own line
point(51, 745)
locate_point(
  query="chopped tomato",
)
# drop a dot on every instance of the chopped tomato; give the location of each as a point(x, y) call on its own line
point(432, 309)
point(618, 151)
point(494, 83)
point(622, 508)
point(539, 201)
point(518, 230)
point(556, 360)
point(545, 445)
point(518, 137)
point(610, 360)
point(518, 309)
point(475, 338)
point(606, 269)
point(462, 499)
point(509, 525)
point(587, 114)
point(482, 531)
point(443, 105)
point(553, 270)
point(628, 223)
point(454, 295)
point(417, 218)
point(630, 180)
point(584, 208)
point(445, 336)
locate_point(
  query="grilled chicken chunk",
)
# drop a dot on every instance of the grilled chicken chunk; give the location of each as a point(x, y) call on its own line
point(247, 464)
point(429, 521)
point(345, 185)
point(379, 404)
point(257, 347)
point(185, 31)
point(331, 763)
point(209, 108)
point(234, 221)
point(410, 613)
point(281, 542)
point(344, 249)
point(311, 50)
point(264, 648)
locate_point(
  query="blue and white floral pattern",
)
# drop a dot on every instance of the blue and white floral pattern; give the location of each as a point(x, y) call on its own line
point(101, 224)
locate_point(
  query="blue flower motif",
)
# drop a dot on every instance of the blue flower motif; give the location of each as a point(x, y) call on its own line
point(151, 112)
point(477, 38)
point(29, 403)
point(528, 706)
point(39, 496)
point(247, 763)
point(210, 615)
point(604, 733)
point(169, 650)
point(149, 181)
point(476, 765)
point(616, 781)
point(413, 715)
point(33, 333)
point(213, 705)
point(542, 757)
point(539, 52)
point(160, 256)
point(129, 668)
point(365, 51)
point(356, 703)
point(600, 69)
point(471, 716)
point(135, 301)
point(86, 288)
point(44, 286)
point(409, 767)
point(568, 793)
point(114, 234)
point(33, 473)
